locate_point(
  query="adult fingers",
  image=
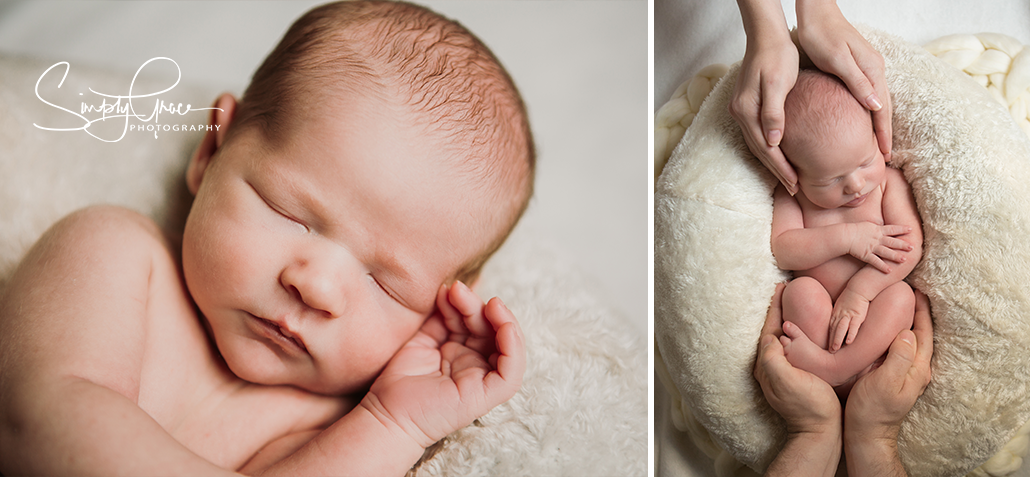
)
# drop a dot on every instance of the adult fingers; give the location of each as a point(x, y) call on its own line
point(770, 156)
point(922, 327)
point(900, 356)
point(871, 64)
point(774, 317)
point(750, 107)
point(884, 130)
point(773, 95)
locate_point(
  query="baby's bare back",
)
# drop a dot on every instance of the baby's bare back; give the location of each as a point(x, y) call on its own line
point(106, 324)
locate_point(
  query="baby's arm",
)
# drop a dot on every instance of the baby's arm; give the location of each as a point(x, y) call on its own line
point(799, 248)
point(72, 331)
point(849, 311)
point(467, 359)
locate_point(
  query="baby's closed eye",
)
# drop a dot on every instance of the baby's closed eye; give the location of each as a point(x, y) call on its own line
point(280, 210)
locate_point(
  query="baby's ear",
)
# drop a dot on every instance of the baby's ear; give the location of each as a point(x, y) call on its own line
point(219, 121)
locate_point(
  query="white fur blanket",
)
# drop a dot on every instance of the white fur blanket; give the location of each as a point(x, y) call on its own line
point(969, 166)
point(583, 405)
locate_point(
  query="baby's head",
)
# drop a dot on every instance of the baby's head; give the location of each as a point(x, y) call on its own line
point(828, 137)
point(379, 152)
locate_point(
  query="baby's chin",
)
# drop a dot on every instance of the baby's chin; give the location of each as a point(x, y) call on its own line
point(257, 371)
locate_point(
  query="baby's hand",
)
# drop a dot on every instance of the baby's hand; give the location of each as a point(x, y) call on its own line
point(467, 359)
point(872, 244)
point(848, 314)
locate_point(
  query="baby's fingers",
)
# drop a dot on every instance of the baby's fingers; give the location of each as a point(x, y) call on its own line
point(510, 360)
point(838, 333)
point(896, 244)
point(453, 319)
point(893, 254)
point(470, 306)
point(878, 263)
point(894, 230)
point(852, 329)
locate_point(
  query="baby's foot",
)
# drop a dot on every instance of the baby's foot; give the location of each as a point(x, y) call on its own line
point(804, 354)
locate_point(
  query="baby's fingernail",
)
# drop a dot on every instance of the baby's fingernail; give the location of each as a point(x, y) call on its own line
point(774, 137)
point(873, 102)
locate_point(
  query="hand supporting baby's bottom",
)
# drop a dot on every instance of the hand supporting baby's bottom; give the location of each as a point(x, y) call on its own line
point(467, 359)
point(875, 408)
point(807, 404)
point(881, 399)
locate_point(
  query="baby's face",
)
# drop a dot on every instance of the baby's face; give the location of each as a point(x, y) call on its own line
point(840, 171)
point(314, 263)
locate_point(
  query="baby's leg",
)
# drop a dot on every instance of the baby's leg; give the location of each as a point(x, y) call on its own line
point(806, 303)
point(806, 314)
point(889, 313)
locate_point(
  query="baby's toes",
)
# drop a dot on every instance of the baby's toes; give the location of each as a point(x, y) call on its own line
point(793, 331)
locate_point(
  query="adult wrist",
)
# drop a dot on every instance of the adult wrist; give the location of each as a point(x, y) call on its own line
point(814, 11)
point(872, 457)
point(763, 19)
point(808, 453)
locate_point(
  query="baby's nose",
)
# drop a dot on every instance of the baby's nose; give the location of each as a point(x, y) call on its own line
point(317, 285)
point(854, 184)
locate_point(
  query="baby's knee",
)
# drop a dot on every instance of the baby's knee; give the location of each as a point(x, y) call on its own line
point(806, 296)
point(900, 300)
point(900, 295)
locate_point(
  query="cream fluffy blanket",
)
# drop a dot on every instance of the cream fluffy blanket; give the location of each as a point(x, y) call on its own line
point(969, 166)
point(582, 409)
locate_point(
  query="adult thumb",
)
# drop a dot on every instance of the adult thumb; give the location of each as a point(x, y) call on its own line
point(901, 355)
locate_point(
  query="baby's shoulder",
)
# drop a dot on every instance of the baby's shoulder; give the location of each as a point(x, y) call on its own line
point(99, 220)
point(896, 189)
point(105, 232)
point(90, 274)
point(894, 178)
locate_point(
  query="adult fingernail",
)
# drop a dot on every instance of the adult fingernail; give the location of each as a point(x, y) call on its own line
point(774, 137)
point(906, 337)
point(873, 102)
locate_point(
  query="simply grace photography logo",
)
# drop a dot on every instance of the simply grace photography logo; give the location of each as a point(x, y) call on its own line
point(122, 109)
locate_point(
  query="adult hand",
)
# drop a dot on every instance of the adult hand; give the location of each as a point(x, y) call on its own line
point(767, 74)
point(807, 403)
point(881, 399)
point(835, 47)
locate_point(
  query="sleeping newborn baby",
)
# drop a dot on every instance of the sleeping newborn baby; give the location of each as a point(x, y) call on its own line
point(379, 156)
point(851, 235)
